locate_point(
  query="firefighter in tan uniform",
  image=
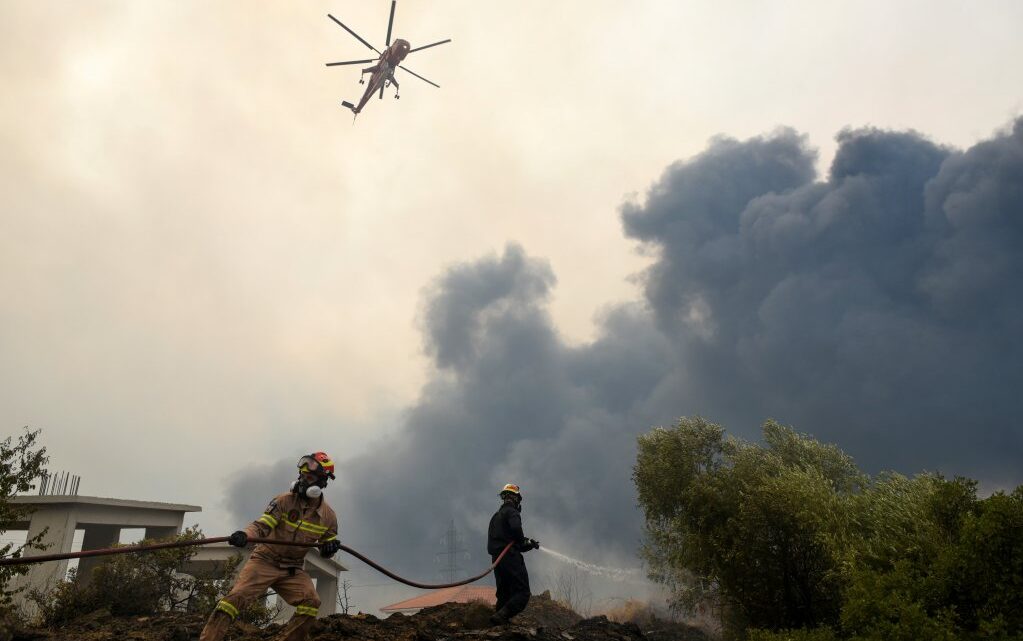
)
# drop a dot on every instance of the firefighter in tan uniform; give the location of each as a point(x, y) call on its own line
point(299, 515)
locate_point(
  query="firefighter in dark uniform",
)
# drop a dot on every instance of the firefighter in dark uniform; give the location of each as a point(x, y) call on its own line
point(510, 574)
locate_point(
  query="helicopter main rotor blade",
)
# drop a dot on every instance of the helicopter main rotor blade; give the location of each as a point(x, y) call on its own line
point(357, 36)
point(390, 22)
point(430, 45)
point(351, 62)
point(418, 76)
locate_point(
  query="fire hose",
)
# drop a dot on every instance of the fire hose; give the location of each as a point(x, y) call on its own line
point(126, 549)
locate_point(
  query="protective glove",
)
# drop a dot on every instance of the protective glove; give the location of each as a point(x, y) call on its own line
point(239, 539)
point(330, 548)
point(527, 545)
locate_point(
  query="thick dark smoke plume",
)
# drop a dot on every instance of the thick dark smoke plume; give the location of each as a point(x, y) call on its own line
point(511, 402)
point(879, 309)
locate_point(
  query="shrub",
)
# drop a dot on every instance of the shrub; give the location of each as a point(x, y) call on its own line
point(795, 543)
point(21, 462)
point(756, 531)
point(815, 634)
point(140, 583)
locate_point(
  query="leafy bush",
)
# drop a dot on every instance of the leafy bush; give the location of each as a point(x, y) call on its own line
point(143, 583)
point(258, 613)
point(789, 540)
point(935, 562)
point(20, 463)
point(758, 531)
point(815, 634)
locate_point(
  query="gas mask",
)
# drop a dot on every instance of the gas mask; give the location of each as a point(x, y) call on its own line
point(313, 475)
point(514, 499)
point(307, 489)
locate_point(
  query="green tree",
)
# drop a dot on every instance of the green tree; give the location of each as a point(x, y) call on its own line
point(986, 567)
point(793, 543)
point(758, 530)
point(932, 561)
point(21, 462)
point(681, 511)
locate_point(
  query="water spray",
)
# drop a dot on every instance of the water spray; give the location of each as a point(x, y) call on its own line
point(634, 575)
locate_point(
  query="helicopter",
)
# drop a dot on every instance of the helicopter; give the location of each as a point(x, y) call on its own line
point(382, 73)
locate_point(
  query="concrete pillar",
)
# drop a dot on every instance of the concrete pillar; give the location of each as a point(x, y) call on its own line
point(161, 532)
point(96, 537)
point(59, 527)
point(326, 587)
point(328, 604)
point(286, 611)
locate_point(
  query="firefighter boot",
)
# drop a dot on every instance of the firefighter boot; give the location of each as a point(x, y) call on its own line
point(296, 629)
point(216, 626)
point(500, 617)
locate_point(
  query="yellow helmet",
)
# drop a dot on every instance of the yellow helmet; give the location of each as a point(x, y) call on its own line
point(511, 487)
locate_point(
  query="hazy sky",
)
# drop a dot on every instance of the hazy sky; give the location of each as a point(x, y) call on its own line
point(205, 267)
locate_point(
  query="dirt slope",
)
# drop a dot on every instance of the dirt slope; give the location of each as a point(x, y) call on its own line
point(543, 620)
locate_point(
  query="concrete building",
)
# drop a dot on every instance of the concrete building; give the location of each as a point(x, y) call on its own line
point(102, 519)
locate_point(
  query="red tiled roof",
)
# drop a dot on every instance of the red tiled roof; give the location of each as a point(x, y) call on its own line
point(460, 594)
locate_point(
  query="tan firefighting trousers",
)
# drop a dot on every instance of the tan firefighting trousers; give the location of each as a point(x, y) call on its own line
point(258, 575)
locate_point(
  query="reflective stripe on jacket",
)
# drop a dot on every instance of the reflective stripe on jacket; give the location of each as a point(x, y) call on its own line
point(290, 517)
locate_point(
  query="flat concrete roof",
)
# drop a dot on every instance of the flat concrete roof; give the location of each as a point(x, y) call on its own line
point(24, 499)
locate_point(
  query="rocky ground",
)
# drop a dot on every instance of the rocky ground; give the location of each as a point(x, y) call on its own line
point(543, 620)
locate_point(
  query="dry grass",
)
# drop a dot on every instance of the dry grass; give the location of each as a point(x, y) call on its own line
point(633, 611)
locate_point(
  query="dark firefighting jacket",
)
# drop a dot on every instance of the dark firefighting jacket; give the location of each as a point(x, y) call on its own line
point(505, 528)
point(292, 518)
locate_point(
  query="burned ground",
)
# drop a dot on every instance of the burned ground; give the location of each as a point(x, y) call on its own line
point(543, 620)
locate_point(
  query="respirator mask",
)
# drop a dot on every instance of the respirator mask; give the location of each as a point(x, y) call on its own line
point(310, 490)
